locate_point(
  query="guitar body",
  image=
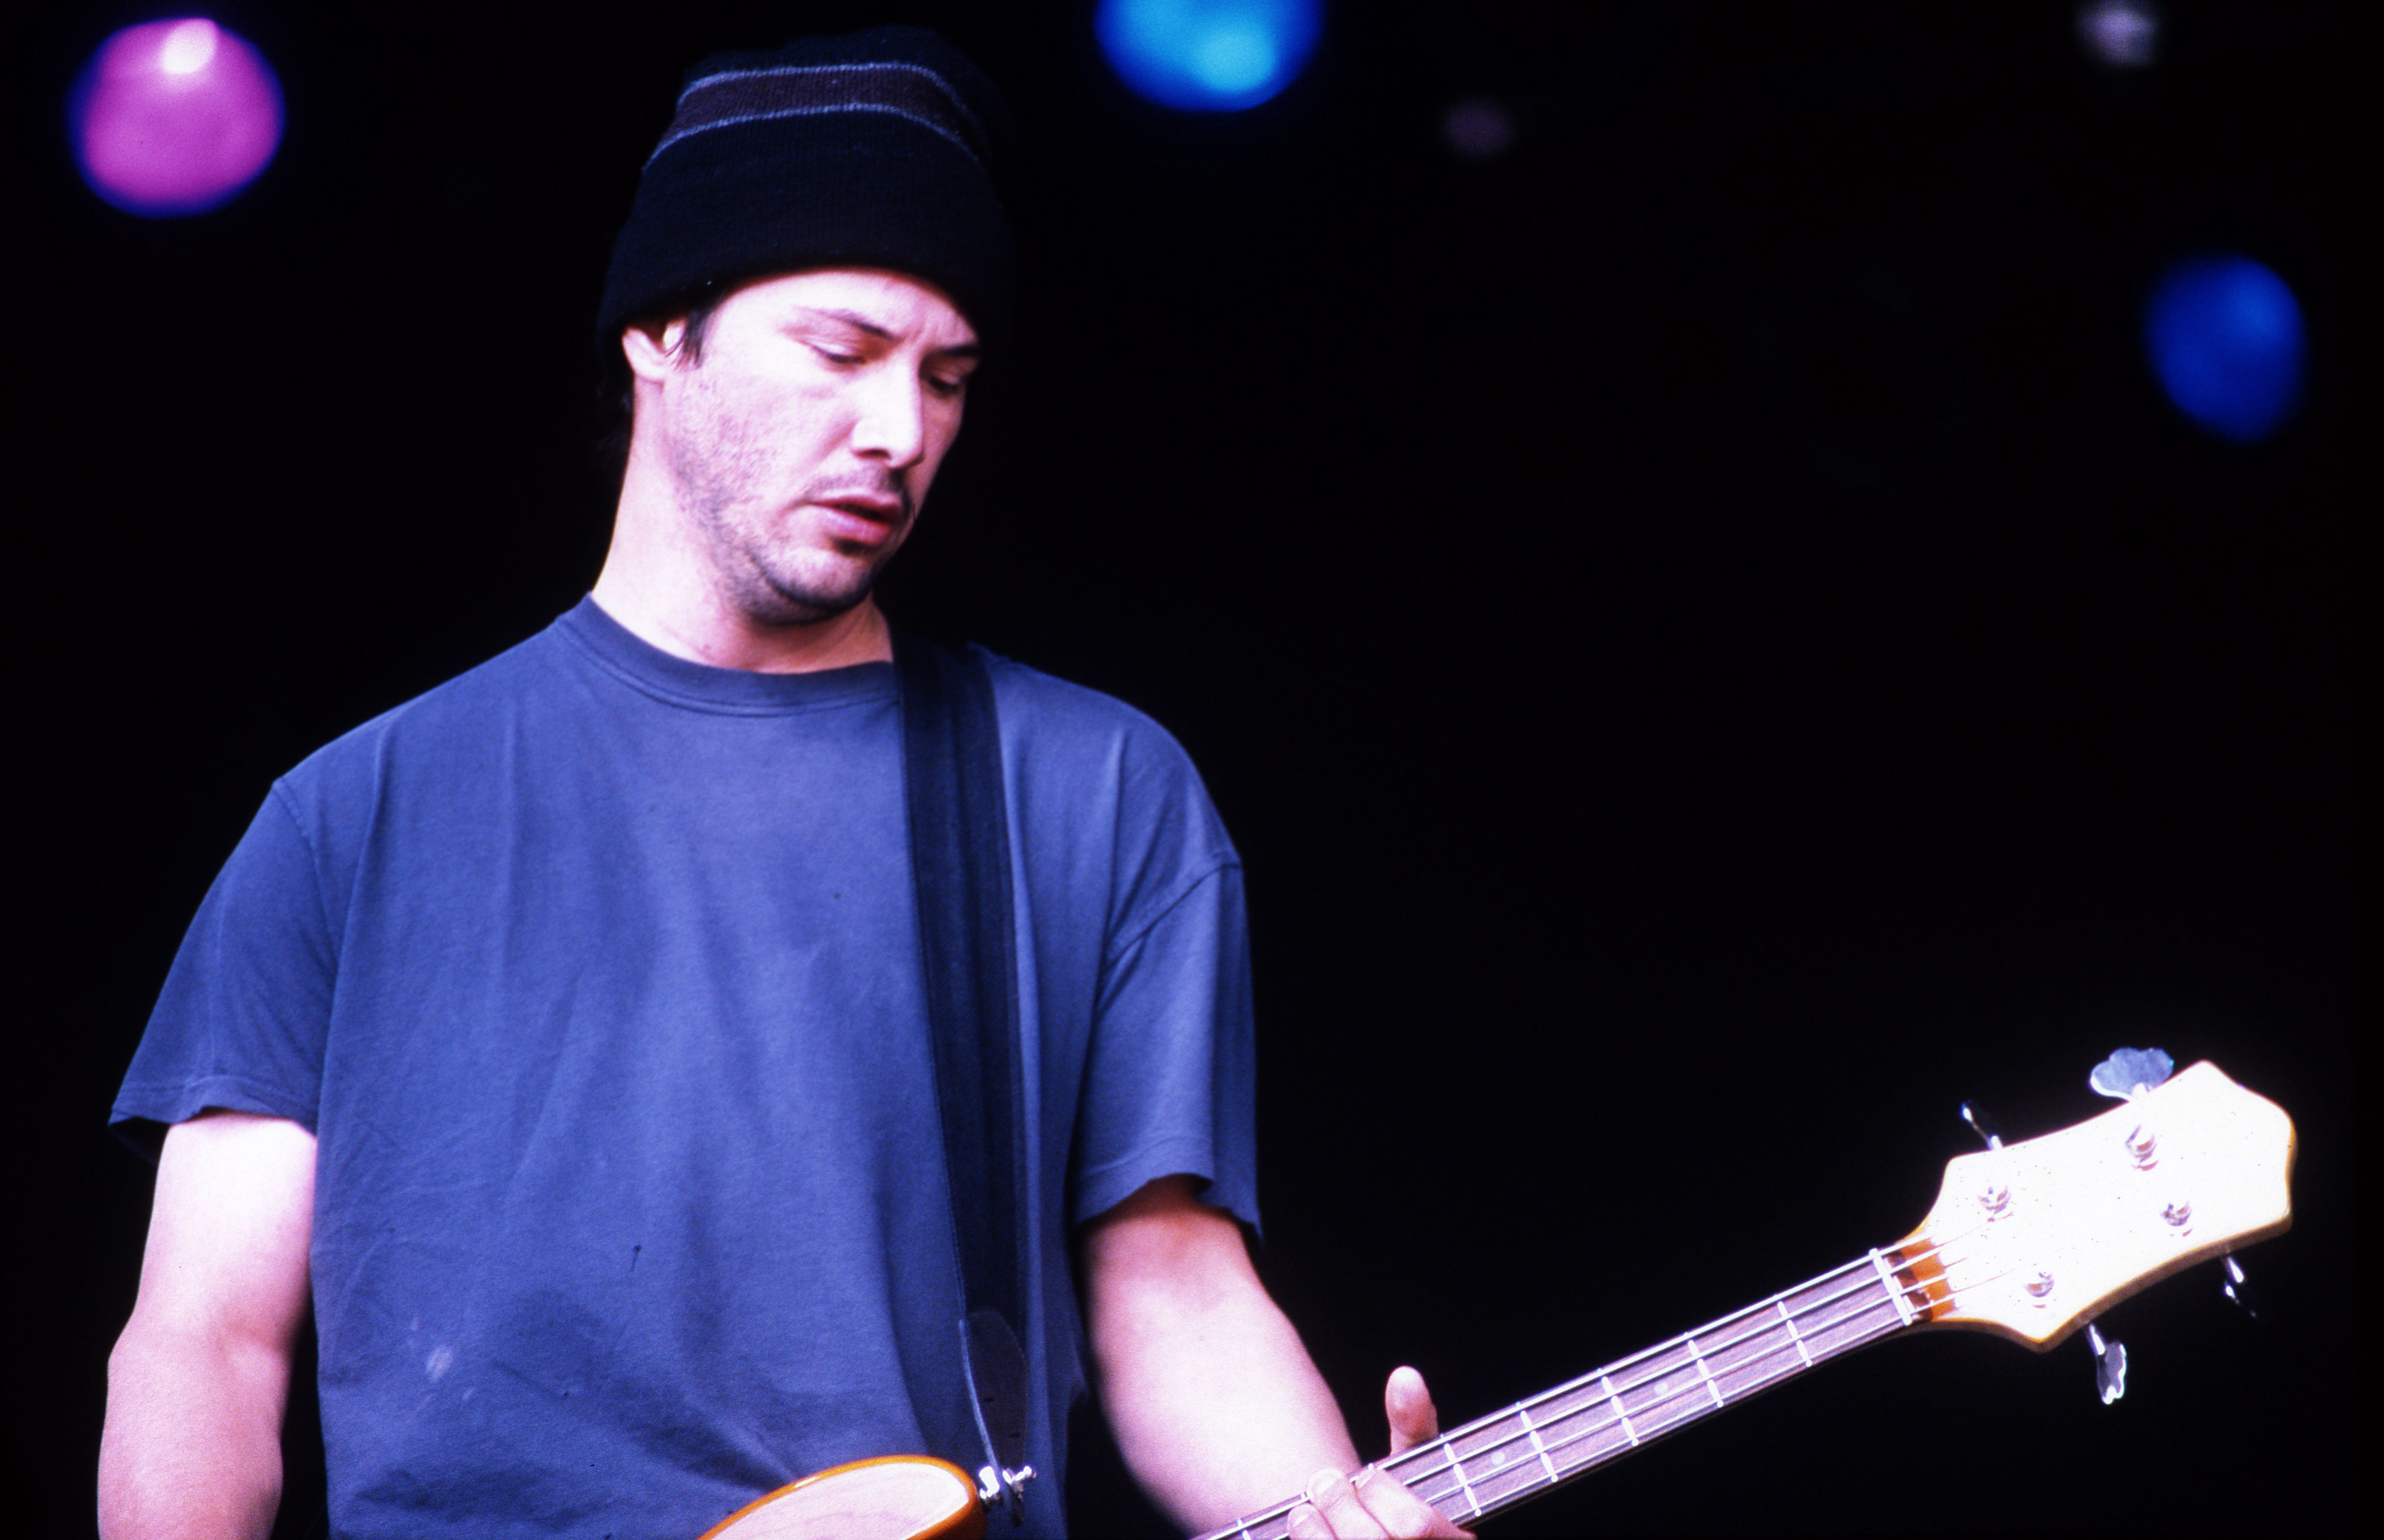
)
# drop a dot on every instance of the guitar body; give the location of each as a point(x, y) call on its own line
point(895, 1497)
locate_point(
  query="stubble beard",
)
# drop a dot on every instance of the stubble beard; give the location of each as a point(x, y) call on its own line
point(771, 582)
point(774, 587)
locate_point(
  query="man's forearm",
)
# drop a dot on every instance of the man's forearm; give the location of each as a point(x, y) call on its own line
point(193, 1443)
point(1216, 1405)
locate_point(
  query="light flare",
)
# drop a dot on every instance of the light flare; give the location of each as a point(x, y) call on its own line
point(190, 46)
point(174, 117)
point(1208, 56)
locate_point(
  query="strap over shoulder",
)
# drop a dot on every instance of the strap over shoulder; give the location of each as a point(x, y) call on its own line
point(959, 863)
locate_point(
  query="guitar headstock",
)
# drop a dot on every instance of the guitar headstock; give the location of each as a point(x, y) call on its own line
point(2033, 1239)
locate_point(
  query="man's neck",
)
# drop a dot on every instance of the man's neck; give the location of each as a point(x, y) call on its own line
point(857, 636)
point(659, 591)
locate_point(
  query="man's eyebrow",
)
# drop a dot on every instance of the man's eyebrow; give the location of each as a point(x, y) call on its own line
point(863, 324)
point(851, 318)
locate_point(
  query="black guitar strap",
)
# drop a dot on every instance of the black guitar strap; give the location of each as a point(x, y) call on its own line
point(960, 864)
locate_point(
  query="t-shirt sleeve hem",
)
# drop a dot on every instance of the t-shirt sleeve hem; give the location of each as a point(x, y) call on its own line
point(1130, 934)
point(143, 1112)
point(1100, 1190)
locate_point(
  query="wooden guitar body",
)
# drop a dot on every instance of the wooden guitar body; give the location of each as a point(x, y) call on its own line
point(895, 1497)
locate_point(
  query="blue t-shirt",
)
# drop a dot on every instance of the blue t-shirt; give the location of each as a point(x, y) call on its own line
point(595, 973)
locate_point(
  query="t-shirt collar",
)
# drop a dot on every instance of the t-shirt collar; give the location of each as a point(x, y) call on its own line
point(647, 667)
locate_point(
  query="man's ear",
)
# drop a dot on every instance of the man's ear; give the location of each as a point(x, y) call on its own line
point(651, 347)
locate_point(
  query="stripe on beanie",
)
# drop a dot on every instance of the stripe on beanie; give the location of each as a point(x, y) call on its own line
point(807, 91)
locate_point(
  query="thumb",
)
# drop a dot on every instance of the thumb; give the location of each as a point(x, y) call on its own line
point(1408, 1406)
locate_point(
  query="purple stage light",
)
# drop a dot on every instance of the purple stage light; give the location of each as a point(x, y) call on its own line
point(174, 117)
point(1478, 127)
point(2124, 34)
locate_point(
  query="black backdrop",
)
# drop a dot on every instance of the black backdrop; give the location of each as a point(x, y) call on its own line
point(1707, 635)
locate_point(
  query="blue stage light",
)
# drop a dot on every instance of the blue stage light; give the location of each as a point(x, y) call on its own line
point(1208, 56)
point(2225, 335)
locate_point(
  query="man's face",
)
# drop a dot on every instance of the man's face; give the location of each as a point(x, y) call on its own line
point(803, 440)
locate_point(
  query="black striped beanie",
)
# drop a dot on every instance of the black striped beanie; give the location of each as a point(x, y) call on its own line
point(871, 150)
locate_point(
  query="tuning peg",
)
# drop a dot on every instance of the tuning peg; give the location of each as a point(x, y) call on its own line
point(2130, 1071)
point(2239, 1289)
point(1981, 1124)
point(2110, 1364)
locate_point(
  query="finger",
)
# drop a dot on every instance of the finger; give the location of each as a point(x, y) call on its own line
point(1408, 1405)
point(1344, 1516)
point(1306, 1524)
point(1400, 1511)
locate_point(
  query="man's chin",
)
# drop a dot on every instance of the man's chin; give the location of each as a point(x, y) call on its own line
point(781, 600)
point(797, 584)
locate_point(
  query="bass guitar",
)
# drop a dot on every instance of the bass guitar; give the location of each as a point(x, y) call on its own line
point(2028, 1241)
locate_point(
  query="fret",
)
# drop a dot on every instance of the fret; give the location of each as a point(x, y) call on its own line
point(1887, 1281)
point(1842, 1313)
point(1622, 1416)
point(1583, 1427)
point(1537, 1447)
point(1424, 1480)
point(1790, 1322)
point(1458, 1467)
point(1502, 1459)
point(1662, 1391)
point(1758, 1352)
point(1697, 1358)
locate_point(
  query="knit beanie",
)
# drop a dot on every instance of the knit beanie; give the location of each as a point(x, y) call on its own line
point(873, 150)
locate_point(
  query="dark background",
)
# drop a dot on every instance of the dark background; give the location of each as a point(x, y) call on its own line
point(1707, 634)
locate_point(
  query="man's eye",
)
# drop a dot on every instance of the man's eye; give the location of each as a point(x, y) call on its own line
point(835, 356)
point(946, 387)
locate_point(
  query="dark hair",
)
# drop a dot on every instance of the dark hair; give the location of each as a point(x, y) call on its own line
point(617, 392)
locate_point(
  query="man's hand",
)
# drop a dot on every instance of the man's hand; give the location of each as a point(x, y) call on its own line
point(1374, 1505)
point(1216, 1407)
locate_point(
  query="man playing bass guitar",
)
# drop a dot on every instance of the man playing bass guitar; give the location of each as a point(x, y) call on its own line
point(559, 1037)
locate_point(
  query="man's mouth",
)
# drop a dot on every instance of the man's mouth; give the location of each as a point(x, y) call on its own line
point(861, 520)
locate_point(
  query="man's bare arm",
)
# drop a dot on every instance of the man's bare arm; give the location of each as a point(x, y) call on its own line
point(198, 1381)
point(1215, 1403)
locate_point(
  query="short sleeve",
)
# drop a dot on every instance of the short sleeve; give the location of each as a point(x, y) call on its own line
point(242, 1017)
point(1170, 1083)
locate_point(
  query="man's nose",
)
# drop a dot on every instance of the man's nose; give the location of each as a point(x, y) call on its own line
point(892, 422)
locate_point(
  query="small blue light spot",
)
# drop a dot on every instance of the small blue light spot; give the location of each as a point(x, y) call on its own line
point(1208, 56)
point(2225, 335)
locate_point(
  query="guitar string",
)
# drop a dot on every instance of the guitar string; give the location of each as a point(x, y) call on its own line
point(1686, 1339)
point(1612, 1400)
point(1566, 1438)
point(1466, 1482)
point(1391, 1466)
point(1461, 1484)
point(1445, 1443)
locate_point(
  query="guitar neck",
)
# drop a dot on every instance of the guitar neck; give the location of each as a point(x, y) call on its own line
point(1537, 1445)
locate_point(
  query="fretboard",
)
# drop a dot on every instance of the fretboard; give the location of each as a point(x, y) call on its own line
point(1534, 1446)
